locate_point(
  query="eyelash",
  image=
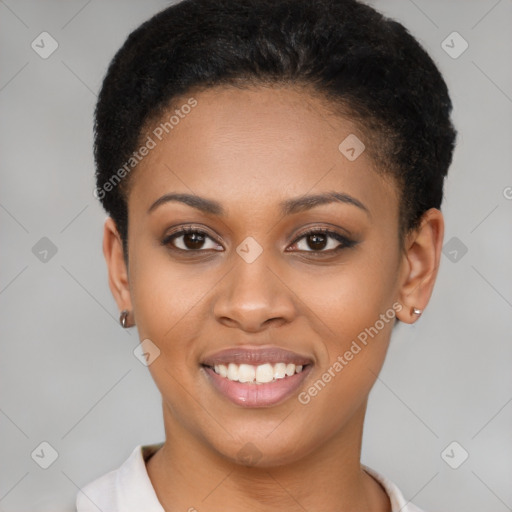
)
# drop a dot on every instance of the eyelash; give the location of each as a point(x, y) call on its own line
point(345, 242)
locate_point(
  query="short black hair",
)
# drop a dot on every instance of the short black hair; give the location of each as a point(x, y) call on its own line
point(365, 64)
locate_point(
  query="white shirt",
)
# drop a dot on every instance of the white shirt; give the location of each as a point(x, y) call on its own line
point(129, 489)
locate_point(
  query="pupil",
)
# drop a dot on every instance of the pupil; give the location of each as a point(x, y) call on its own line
point(193, 240)
point(318, 241)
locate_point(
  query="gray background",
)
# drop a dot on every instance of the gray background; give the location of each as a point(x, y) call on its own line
point(68, 375)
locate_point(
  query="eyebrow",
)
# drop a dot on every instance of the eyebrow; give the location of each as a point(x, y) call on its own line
point(288, 207)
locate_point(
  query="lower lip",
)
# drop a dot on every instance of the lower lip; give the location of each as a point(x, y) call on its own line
point(257, 395)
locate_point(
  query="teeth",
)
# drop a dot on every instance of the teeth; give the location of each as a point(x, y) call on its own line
point(232, 371)
point(264, 373)
point(246, 373)
point(257, 374)
point(279, 370)
point(221, 369)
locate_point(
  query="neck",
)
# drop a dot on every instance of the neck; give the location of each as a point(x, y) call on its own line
point(186, 475)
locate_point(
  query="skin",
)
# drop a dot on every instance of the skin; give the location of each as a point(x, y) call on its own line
point(249, 150)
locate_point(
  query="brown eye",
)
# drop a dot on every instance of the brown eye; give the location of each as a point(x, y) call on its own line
point(190, 240)
point(322, 240)
point(193, 240)
point(317, 241)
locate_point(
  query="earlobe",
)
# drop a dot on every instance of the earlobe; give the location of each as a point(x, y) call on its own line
point(420, 265)
point(117, 270)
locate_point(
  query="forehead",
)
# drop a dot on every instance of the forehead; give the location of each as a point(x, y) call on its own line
point(252, 146)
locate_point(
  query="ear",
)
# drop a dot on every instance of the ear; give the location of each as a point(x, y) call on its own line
point(420, 265)
point(117, 269)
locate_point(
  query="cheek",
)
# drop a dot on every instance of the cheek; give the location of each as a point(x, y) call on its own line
point(354, 302)
point(166, 298)
point(349, 297)
point(167, 302)
point(352, 361)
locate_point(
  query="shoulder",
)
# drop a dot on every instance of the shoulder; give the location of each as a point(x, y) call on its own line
point(127, 488)
point(398, 502)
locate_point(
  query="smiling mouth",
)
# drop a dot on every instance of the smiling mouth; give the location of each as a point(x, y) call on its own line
point(260, 374)
point(251, 376)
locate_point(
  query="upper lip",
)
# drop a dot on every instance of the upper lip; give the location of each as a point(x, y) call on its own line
point(255, 356)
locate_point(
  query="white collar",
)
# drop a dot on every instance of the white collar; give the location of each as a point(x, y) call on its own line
point(129, 489)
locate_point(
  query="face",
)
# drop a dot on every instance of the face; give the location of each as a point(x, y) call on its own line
point(272, 312)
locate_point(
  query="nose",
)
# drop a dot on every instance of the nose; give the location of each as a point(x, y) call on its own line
point(253, 296)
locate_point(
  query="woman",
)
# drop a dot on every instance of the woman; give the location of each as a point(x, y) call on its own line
point(273, 174)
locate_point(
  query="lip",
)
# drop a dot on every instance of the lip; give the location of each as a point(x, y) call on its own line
point(256, 356)
point(256, 395)
point(252, 394)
